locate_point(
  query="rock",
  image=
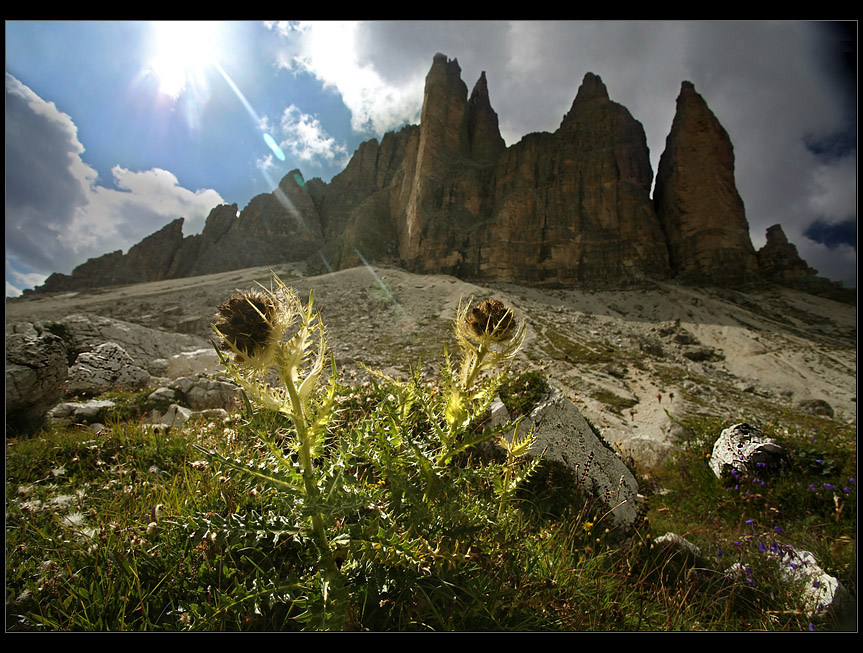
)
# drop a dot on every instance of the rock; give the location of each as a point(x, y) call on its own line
point(821, 591)
point(36, 364)
point(106, 367)
point(73, 411)
point(741, 447)
point(697, 202)
point(571, 207)
point(816, 407)
point(190, 363)
point(148, 260)
point(177, 415)
point(174, 416)
point(679, 554)
point(700, 354)
point(652, 347)
point(203, 393)
point(486, 143)
point(148, 347)
point(564, 436)
point(162, 394)
point(273, 228)
point(779, 261)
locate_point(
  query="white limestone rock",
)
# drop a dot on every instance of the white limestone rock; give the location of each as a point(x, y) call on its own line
point(107, 367)
point(741, 447)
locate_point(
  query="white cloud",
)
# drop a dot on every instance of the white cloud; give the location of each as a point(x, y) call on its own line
point(56, 213)
point(833, 189)
point(329, 51)
point(305, 137)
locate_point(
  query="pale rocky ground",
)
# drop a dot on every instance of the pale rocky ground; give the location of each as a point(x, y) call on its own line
point(774, 348)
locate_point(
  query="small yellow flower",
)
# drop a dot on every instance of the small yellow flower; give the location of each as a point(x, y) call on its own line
point(587, 526)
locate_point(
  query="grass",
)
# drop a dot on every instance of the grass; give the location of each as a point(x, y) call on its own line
point(386, 506)
point(132, 530)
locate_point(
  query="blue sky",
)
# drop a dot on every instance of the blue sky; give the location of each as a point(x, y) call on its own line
point(115, 128)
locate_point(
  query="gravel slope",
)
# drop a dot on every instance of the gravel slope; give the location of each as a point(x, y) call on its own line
point(718, 351)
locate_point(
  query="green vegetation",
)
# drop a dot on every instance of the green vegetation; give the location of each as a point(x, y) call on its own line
point(383, 507)
point(613, 401)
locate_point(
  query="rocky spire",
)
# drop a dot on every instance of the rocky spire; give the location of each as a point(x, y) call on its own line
point(483, 128)
point(696, 198)
point(592, 90)
point(779, 261)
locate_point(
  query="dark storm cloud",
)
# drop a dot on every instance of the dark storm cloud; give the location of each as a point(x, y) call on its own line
point(56, 215)
point(45, 181)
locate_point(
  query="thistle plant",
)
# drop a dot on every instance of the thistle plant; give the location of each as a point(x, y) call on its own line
point(383, 493)
point(513, 473)
point(488, 337)
point(252, 326)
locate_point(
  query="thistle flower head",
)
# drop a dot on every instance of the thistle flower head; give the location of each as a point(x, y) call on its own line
point(488, 334)
point(492, 319)
point(251, 324)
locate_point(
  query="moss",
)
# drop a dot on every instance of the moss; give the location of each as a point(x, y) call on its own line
point(562, 347)
point(521, 394)
point(613, 401)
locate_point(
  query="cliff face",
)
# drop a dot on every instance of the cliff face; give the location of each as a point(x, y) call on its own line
point(574, 206)
point(571, 207)
point(697, 201)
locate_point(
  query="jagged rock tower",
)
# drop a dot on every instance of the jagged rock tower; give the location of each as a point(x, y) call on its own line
point(568, 208)
point(697, 201)
point(562, 208)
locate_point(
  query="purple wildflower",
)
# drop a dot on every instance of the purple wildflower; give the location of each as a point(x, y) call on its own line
point(829, 486)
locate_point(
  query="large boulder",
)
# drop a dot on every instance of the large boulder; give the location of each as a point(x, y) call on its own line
point(106, 368)
point(564, 436)
point(148, 348)
point(203, 393)
point(36, 363)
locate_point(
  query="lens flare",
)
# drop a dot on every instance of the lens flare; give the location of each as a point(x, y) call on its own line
point(271, 143)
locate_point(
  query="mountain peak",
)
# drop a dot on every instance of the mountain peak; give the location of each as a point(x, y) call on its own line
point(592, 88)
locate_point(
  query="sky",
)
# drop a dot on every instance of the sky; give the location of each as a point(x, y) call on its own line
point(116, 128)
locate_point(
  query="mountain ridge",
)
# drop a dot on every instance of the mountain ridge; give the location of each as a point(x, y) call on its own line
point(570, 208)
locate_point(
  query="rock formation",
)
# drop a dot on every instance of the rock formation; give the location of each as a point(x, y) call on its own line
point(149, 260)
point(36, 363)
point(567, 208)
point(697, 200)
point(780, 263)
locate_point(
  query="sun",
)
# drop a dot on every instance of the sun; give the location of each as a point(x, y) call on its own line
point(182, 52)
